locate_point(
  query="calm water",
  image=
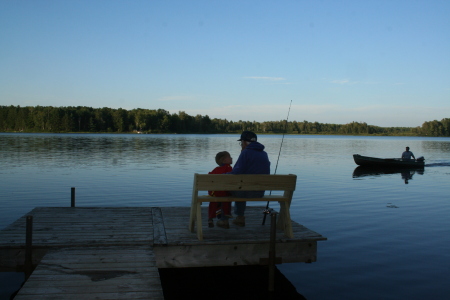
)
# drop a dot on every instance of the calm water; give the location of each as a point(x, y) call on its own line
point(386, 239)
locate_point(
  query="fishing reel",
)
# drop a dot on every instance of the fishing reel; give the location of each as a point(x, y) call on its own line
point(268, 211)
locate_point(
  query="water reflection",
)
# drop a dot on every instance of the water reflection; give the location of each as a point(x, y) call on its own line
point(405, 173)
point(437, 146)
point(80, 150)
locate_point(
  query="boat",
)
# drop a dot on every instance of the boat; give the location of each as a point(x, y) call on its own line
point(375, 162)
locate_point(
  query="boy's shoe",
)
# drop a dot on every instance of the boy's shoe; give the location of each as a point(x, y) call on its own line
point(239, 221)
point(223, 224)
point(210, 223)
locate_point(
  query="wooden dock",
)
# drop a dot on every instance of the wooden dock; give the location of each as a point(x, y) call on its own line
point(115, 253)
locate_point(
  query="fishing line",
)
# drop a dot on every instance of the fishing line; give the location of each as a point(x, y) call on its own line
point(278, 159)
point(282, 139)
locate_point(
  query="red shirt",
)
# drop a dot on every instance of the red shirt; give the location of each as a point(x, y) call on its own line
point(220, 170)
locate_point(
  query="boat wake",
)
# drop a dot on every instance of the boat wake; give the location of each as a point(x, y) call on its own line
point(441, 164)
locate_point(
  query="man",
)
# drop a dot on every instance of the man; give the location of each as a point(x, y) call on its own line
point(252, 160)
point(407, 154)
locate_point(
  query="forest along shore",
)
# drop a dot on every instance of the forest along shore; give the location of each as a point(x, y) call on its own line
point(82, 119)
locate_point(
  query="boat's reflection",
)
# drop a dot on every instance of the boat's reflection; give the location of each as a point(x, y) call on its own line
point(405, 173)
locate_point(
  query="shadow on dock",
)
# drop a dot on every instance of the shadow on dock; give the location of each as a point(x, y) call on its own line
point(241, 282)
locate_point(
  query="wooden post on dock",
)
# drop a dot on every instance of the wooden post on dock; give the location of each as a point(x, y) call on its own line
point(29, 247)
point(72, 192)
point(273, 234)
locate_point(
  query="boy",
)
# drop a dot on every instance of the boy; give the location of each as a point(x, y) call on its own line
point(218, 209)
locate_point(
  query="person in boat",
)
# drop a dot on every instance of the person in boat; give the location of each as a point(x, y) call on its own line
point(221, 210)
point(252, 160)
point(407, 155)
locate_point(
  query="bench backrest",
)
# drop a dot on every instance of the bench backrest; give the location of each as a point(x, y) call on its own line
point(227, 182)
point(259, 182)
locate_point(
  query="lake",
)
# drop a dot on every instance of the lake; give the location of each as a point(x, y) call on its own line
point(388, 234)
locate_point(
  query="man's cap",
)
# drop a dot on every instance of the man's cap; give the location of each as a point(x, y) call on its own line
point(248, 136)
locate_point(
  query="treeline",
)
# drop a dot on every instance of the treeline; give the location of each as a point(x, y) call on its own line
point(87, 119)
point(435, 128)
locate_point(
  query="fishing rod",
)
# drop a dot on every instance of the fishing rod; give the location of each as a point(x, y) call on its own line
point(278, 159)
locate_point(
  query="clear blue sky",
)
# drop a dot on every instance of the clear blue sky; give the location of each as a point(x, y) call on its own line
point(386, 63)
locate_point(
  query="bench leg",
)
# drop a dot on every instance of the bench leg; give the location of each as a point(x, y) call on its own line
point(199, 222)
point(284, 222)
point(192, 218)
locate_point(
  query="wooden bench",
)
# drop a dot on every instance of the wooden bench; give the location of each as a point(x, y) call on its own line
point(227, 182)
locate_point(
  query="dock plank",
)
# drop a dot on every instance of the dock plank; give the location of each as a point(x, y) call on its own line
point(175, 225)
point(95, 273)
point(69, 226)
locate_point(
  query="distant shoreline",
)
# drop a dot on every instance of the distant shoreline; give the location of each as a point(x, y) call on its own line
point(83, 119)
point(176, 133)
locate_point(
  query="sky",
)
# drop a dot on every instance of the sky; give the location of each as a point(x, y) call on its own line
point(383, 62)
